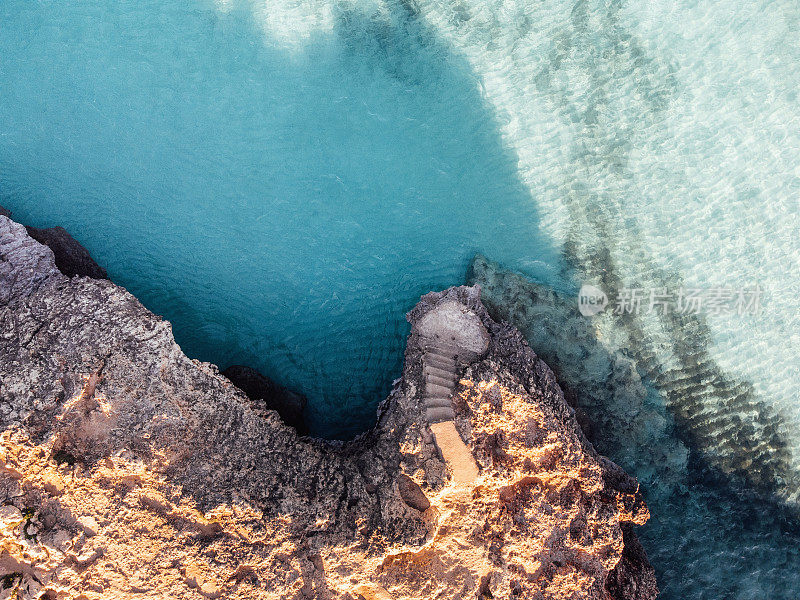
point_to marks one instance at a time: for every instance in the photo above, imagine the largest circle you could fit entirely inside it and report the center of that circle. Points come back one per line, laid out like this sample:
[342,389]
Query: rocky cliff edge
[128,470]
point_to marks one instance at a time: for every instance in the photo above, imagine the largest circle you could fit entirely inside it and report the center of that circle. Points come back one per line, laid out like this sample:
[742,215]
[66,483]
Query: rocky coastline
[128,470]
[73,259]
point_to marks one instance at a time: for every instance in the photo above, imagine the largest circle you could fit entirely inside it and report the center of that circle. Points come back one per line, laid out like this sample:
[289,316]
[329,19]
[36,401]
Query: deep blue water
[282,206]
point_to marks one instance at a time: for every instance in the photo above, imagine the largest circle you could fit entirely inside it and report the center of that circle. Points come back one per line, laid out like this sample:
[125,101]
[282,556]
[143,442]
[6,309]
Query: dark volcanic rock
[633,578]
[71,257]
[288,404]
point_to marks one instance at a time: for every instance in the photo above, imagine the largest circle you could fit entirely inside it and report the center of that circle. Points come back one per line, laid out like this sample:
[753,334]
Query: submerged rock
[288,404]
[105,421]
[656,399]
[72,259]
[615,407]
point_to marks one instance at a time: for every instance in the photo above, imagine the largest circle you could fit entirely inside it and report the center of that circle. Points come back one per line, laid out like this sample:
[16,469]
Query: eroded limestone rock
[129,470]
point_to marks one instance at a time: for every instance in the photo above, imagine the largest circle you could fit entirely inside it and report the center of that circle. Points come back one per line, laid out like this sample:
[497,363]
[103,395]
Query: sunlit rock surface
[129,470]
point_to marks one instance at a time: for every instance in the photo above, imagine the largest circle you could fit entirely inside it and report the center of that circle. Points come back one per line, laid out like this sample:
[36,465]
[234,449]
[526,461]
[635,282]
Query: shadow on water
[282,204]
[714,458]
[713,532]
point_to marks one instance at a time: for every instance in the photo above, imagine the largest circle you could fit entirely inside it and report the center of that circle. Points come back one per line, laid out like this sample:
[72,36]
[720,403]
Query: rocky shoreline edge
[72,259]
[129,470]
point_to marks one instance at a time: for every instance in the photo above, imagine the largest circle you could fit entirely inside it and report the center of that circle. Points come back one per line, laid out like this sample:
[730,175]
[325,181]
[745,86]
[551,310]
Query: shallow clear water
[282,180]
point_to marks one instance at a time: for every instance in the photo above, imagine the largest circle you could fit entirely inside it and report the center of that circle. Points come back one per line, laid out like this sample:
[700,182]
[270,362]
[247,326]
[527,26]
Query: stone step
[445,381]
[440,362]
[449,352]
[433,389]
[450,374]
[437,415]
[435,401]
[446,347]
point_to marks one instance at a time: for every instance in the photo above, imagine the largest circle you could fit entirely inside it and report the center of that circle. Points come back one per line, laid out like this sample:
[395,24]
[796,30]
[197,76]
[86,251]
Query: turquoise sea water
[282,180]
[282,200]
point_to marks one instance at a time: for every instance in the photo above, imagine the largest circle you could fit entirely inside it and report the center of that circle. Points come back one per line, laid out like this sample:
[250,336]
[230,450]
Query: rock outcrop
[260,388]
[71,258]
[128,470]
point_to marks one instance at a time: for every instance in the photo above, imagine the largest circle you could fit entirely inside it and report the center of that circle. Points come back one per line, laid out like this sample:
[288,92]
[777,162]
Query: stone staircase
[440,366]
[451,337]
